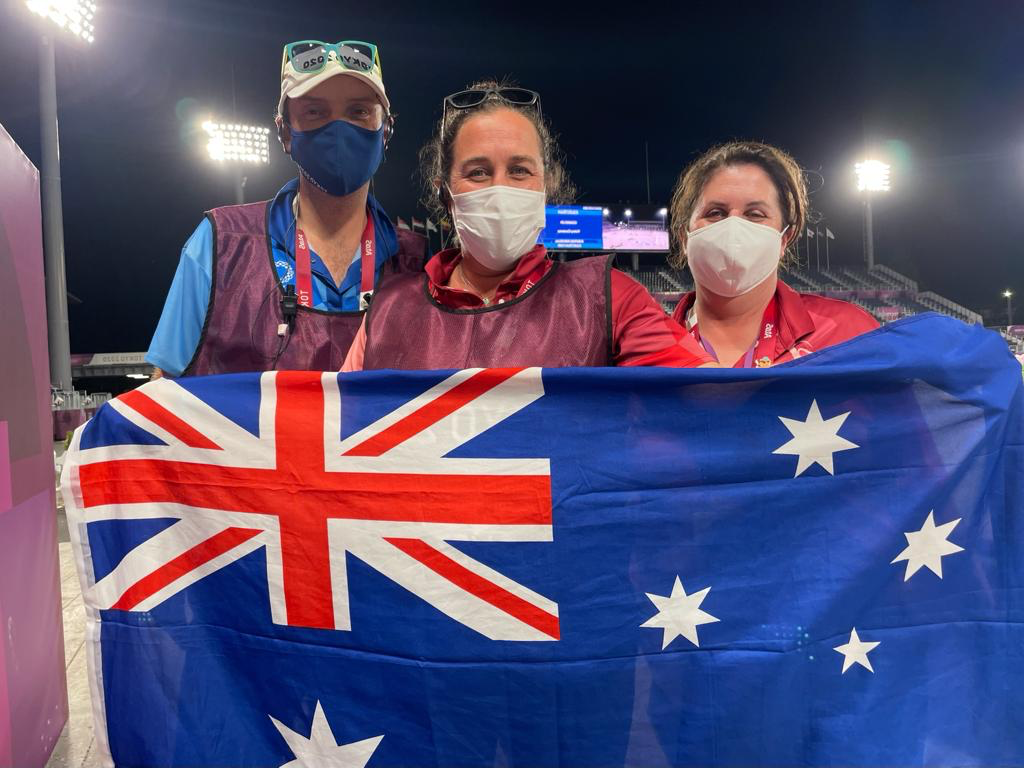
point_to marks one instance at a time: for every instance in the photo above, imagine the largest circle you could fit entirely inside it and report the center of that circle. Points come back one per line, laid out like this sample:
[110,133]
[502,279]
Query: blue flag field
[815,564]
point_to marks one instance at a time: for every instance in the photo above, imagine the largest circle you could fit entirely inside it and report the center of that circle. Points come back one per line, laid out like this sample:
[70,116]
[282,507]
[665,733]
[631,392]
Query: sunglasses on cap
[313,55]
[474,97]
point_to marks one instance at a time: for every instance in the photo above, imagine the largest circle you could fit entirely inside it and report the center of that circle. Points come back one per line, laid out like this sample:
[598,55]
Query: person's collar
[284,209]
[291,187]
[686,303]
[442,264]
[794,321]
[440,268]
[525,268]
[690,315]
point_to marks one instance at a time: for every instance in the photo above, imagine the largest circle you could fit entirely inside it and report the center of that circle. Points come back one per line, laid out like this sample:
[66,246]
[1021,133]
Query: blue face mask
[338,157]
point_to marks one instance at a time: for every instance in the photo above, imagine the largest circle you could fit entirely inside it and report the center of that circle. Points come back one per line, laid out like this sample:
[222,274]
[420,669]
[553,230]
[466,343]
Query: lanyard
[304,266]
[761,352]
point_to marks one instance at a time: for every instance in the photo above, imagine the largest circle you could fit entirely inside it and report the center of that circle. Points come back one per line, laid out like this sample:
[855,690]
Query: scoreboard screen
[573,228]
[599,228]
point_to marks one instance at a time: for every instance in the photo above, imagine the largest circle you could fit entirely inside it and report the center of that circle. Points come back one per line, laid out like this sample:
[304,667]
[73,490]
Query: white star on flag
[927,547]
[815,440]
[679,614]
[321,750]
[856,652]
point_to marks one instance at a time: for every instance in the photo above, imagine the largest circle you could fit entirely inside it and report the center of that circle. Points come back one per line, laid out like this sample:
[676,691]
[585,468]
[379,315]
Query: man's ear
[284,134]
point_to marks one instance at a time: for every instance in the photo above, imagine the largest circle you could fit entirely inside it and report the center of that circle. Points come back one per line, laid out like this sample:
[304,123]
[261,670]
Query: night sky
[935,88]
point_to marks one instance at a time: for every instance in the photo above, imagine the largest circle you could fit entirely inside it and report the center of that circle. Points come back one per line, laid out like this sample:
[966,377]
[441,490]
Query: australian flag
[814,564]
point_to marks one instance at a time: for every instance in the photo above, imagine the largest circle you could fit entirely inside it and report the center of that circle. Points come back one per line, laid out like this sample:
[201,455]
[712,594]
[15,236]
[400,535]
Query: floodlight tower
[1008,295]
[74,17]
[238,146]
[872,177]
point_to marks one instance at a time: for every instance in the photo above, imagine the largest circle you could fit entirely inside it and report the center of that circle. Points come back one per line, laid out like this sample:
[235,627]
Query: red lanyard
[304,266]
[762,352]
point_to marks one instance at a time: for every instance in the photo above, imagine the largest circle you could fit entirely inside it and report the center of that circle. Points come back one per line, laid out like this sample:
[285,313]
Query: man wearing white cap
[283,284]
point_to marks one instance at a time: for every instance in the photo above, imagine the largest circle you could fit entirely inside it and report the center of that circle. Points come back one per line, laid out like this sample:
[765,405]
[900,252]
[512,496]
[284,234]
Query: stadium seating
[881,291]
[660,280]
[1014,337]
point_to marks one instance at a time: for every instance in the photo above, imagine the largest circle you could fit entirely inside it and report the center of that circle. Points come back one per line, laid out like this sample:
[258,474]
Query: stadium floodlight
[605,212]
[75,16]
[234,143]
[872,176]
[1008,295]
[628,213]
[238,146]
[663,212]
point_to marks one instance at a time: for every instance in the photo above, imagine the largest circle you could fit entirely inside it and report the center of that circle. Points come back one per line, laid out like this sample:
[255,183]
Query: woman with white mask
[735,211]
[497,299]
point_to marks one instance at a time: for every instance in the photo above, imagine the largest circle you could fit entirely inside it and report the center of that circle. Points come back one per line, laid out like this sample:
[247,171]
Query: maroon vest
[242,319]
[564,320]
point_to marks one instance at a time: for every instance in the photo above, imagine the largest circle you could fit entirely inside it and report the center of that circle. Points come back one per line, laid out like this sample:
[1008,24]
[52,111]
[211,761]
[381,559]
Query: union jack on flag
[818,563]
[387,495]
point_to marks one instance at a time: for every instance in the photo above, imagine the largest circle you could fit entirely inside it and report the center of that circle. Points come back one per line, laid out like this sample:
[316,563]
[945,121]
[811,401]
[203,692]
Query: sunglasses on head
[474,97]
[313,55]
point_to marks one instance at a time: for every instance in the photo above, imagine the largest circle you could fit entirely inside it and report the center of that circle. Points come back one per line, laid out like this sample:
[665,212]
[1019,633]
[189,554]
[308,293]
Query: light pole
[872,176]
[74,16]
[628,213]
[1008,295]
[238,146]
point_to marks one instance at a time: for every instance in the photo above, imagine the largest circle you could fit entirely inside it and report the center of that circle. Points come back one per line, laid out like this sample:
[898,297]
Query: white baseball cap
[322,61]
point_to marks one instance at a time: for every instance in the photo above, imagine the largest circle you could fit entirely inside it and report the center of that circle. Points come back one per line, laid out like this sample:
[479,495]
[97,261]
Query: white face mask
[497,225]
[733,256]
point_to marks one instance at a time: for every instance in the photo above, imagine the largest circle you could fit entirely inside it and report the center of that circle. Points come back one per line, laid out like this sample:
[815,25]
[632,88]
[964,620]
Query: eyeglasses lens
[519,96]
[308,57]
[357,56]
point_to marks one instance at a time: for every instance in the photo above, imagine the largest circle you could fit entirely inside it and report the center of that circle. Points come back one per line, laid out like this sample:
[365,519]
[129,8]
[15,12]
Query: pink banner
[33,691]
[6,498]
[5,504]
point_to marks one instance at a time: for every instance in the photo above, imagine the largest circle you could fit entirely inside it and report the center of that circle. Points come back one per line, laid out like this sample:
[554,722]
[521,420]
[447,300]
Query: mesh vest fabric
[564,320]
[244,312]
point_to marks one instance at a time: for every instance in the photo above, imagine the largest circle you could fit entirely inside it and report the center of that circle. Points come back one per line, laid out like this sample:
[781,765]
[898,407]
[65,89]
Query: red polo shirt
[642,334]
[805,322]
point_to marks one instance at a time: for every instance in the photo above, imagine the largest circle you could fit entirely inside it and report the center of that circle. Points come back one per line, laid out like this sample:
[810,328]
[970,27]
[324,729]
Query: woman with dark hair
[735,211]
[496,299]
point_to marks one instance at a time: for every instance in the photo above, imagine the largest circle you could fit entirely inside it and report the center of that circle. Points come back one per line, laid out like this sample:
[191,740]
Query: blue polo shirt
[181,323]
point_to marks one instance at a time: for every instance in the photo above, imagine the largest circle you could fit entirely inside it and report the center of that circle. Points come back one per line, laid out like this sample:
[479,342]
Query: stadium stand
[881,291]
[1014,336]
[656,280]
